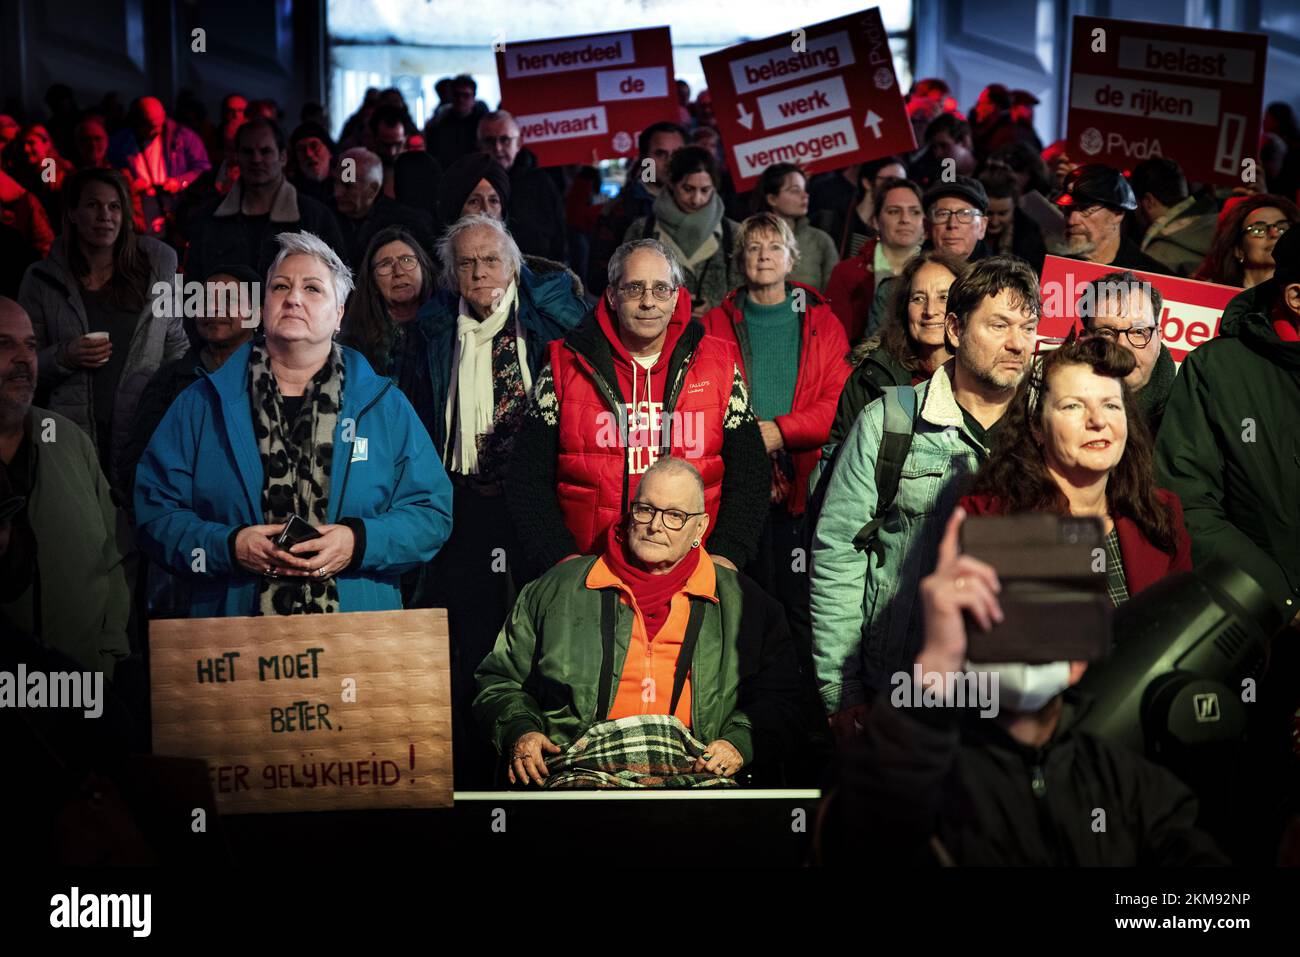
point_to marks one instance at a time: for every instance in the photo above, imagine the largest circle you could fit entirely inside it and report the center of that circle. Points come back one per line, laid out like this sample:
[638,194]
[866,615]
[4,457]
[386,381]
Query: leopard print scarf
[296,460]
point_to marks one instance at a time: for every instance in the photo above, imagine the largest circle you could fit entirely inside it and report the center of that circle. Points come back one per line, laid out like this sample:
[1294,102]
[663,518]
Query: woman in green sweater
[794,355]
[783,190]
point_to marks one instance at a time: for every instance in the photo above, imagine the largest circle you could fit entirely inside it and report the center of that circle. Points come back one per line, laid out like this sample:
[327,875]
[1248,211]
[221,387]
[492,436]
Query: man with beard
[68,526]
[879,527]
[1094,199]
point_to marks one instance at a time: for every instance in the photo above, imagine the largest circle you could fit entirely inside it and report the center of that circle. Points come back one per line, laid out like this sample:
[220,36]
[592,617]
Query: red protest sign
[823,97]
[1139,90]
[585,98]
[1189,315]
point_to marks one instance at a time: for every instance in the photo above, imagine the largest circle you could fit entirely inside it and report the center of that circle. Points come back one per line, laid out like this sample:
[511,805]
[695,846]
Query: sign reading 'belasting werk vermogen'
[583,99]
[1190,313]
[308,712]
[1139,90]
[823,97]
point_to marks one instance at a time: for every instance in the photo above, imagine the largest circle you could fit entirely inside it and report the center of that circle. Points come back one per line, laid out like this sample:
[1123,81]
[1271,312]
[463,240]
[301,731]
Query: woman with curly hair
[911,343]
[1241,253]
[1074,443]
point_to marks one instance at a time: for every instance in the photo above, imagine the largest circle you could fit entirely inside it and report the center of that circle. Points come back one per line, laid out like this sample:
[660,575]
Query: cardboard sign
[1139,90]
[308,712]
[586,98]
[824,97]
[1190,314]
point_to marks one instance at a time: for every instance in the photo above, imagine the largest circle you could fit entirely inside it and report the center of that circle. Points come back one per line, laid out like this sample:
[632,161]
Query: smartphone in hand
[296,530]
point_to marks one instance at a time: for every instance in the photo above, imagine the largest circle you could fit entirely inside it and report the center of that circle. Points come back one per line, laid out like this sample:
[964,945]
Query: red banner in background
[824,97]
[1189,316]
[1139,90]
[583,99]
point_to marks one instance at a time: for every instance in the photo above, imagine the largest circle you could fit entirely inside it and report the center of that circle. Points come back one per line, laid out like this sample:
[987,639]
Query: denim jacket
[865,616]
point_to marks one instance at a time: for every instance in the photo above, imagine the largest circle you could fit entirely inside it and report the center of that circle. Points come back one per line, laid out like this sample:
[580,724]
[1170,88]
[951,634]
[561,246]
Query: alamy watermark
[180,299]
[947,689]
[53,689]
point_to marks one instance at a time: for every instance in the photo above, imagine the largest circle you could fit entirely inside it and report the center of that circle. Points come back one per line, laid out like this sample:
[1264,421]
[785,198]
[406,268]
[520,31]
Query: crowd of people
[686,468]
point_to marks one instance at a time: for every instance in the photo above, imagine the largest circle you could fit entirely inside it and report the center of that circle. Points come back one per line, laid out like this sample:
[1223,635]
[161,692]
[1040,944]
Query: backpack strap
[648,230]
[687,652]
[900,423]
[608,614]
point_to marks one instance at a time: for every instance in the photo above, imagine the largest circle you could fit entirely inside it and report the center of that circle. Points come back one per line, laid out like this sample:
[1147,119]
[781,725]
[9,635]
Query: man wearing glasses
[1121,307]
[536,218]
[636,381]
[956,218]
[1093,201]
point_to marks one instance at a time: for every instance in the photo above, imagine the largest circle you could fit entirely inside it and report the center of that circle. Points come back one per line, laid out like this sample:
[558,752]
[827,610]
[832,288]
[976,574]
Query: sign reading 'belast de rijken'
[309,712]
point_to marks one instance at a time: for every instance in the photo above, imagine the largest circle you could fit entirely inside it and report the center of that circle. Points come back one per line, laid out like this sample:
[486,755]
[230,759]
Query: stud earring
[695,544]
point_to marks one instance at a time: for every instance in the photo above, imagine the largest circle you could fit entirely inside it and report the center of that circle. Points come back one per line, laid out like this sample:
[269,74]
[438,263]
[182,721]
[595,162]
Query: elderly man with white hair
[363,210]
[293,479]
[487,331]
[536,202]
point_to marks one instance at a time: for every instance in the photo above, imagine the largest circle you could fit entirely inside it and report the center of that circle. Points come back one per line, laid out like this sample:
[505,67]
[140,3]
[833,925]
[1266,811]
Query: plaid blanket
[641,751]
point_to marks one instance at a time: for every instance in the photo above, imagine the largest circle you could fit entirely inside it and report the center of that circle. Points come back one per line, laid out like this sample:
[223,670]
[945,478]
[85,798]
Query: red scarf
[653,593]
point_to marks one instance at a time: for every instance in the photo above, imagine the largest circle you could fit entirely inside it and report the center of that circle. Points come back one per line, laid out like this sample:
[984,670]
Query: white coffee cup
[98,337]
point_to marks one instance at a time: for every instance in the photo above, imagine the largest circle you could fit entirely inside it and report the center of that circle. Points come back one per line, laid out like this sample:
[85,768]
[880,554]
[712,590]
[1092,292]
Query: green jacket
[874,369]
[79,602]
[1183,236]
[545,673]
[1229,446]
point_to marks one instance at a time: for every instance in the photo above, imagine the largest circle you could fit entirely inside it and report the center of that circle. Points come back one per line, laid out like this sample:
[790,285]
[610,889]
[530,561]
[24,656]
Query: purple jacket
[183,152]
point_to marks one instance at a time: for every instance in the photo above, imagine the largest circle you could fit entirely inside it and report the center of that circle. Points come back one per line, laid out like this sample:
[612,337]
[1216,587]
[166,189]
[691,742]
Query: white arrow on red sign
[747,118]
[873,122]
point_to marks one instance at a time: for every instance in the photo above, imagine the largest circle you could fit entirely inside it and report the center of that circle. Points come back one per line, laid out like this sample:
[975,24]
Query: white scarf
[471,387]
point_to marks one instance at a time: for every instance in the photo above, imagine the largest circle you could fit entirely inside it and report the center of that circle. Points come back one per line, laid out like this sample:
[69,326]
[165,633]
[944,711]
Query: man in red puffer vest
[637,379]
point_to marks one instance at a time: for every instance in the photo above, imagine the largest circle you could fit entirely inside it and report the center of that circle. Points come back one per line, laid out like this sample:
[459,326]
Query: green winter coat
[545,673]
[1229,446]
[874,370]
[1182,241]
[80,587]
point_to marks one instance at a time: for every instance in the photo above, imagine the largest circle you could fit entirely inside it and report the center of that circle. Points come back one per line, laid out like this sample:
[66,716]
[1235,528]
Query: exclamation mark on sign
[412,762]
[1232,132]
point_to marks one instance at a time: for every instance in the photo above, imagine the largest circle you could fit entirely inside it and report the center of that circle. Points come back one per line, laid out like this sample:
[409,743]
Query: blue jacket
[549,306]
[201,478]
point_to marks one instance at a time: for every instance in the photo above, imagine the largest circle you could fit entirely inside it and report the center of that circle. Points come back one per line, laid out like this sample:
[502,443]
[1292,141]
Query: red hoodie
[596,471]
[643,389]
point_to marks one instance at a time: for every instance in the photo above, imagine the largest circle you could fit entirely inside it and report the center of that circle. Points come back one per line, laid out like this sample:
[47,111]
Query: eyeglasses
[963,216]
[497,140]
[674,518]
[1259,230]
[1137,336]
[385,267]
[632,291]
[1085,211]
